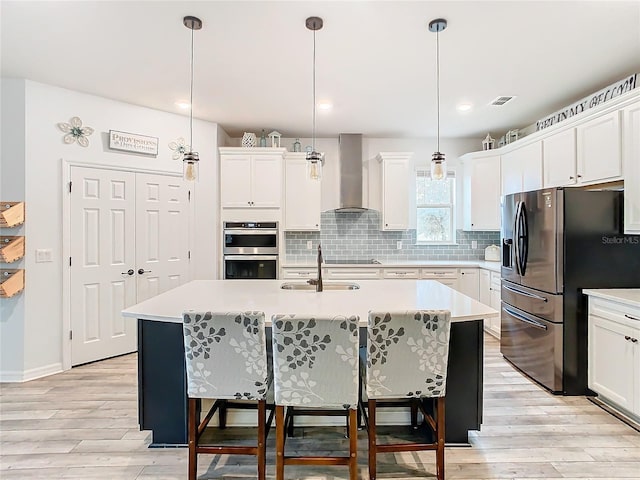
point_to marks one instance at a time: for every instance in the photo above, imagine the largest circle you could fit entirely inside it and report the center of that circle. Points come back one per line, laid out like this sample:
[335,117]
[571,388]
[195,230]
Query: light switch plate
[44,255]
[309,244]
[399,245]
[474,244]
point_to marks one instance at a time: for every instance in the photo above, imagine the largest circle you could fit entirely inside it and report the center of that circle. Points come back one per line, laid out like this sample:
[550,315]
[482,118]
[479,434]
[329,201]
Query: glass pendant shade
[314,165]
[438,166]
[191,163]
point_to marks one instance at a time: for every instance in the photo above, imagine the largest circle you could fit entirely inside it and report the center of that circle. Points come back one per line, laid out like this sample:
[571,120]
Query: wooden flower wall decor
[75,132]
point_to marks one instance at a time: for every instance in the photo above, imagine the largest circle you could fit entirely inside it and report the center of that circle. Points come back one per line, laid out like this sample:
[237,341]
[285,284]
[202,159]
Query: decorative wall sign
[75,132]
[132,142]
[179,148]
[601,96]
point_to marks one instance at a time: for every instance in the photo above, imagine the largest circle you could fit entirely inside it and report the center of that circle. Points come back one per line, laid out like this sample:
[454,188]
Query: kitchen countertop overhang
[487,265]
[628,296]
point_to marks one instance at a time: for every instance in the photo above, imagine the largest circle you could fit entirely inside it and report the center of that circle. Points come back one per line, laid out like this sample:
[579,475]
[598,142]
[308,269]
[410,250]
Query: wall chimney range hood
[350,173]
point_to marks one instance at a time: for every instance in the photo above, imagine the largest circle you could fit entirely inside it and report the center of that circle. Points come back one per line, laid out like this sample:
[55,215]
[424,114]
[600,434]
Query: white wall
[12,97]
[44,160]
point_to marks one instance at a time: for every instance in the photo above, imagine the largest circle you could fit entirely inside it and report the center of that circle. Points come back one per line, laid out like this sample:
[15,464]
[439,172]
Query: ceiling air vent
[501,101]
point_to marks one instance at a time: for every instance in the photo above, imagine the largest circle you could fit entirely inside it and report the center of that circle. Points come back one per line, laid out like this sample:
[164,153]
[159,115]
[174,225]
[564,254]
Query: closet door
[162,246]
[102,246]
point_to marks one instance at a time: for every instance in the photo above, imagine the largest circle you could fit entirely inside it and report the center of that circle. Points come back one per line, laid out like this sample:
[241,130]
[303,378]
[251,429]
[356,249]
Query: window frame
[451,175]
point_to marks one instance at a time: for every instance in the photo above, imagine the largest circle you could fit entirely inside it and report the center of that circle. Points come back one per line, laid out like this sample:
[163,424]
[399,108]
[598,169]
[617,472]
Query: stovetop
[368,261]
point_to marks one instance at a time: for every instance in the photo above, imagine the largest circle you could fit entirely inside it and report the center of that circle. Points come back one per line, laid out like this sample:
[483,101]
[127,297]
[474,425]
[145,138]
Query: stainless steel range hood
[350,173]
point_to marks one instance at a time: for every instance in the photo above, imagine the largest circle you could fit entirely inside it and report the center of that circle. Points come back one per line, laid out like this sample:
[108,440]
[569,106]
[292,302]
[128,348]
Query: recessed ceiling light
[464,107]
[325,105]
[183,105]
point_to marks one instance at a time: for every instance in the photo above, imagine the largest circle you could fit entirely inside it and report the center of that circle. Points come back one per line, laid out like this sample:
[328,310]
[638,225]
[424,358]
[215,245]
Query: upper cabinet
[521,169]
[559,155]
[631,156]
[302,196]
[598,149]
[251,177]
[396,174]
[481,191]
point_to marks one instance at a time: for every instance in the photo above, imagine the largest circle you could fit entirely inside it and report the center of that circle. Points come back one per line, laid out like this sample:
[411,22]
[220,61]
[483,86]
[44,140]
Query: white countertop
[493,266]
[267,296]
[628,296]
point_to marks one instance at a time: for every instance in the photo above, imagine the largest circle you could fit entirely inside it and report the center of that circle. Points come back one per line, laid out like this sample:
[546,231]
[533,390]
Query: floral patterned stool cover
[315,362]
[226,360]
[407,356]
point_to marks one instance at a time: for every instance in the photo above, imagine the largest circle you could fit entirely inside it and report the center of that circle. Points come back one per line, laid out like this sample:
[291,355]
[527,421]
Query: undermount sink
[325,286]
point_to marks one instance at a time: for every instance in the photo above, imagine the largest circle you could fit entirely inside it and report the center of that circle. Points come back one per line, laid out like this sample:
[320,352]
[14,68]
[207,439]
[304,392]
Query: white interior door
[102,222]
[162,245]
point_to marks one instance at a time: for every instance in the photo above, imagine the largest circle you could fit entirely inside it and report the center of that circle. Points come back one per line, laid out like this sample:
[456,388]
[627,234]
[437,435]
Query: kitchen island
[162,399]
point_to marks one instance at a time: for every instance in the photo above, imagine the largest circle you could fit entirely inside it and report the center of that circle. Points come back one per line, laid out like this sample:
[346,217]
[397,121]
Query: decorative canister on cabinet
[249,139]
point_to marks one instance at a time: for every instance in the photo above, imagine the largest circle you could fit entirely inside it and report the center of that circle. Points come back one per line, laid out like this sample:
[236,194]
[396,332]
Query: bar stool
[315,363]
[226,360]
[407,355]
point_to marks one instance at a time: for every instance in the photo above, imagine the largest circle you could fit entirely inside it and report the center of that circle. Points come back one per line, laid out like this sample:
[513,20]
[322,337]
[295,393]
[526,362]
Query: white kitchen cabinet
[521,169]
[399,273]
[631,157]
[395,173]
[559,158]
[614,354]
[598,149]
[251,178]
[495,293]
[302,195]
[446,276]
[469,282]
[484,293]
[481,191]
[300,273]
[352,273]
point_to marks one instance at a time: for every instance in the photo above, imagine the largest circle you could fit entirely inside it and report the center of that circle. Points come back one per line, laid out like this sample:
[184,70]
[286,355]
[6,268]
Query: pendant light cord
[438,85]
[313,140]
[191,98]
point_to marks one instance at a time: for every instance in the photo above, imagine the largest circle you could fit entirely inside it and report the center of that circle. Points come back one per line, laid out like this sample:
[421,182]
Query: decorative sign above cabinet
[612,91]
[132,142]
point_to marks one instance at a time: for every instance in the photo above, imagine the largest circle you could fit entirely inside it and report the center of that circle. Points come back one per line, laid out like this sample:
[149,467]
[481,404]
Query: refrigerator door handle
[533,323]
[526,294]
[523,234]
[516,238]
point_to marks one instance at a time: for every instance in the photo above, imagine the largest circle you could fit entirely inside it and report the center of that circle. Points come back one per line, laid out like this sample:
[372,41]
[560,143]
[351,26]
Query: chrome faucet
[318,281]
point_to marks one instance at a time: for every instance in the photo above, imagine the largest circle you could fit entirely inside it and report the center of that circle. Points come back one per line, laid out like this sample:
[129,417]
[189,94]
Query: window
[435,202]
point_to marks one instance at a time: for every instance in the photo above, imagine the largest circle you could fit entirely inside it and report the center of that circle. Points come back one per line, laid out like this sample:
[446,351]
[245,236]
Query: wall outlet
[474,244]
[399,245]
[44,255]
[309,245]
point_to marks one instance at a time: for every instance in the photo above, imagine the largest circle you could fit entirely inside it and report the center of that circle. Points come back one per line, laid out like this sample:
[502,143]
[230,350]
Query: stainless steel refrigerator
[556,242]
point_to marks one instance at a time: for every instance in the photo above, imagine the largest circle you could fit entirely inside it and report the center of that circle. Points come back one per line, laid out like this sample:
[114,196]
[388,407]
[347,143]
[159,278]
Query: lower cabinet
[446,276]
[413,273]
[490,295]
[614,354]
[468,282]
[304,273]
[350,273]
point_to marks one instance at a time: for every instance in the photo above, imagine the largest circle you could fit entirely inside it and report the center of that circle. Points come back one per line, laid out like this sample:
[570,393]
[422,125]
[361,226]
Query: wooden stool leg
[372,439]
[290,417]
[262,450]
[353,445]
[414,414]
[440,433]
[279,442]
[192,432]
[222,414]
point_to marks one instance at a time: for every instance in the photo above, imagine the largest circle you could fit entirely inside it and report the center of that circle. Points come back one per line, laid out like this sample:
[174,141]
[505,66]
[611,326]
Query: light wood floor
[82,424]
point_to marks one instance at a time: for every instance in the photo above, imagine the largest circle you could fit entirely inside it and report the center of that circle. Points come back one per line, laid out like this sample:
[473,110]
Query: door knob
[142,270]
[128,272]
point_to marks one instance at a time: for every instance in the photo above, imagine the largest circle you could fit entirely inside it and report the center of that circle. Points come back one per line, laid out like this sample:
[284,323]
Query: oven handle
[251,231]
[526,294]
[533,323]
[251,257]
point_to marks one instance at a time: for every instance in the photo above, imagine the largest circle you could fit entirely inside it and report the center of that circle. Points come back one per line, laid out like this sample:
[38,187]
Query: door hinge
[189,254]
[70,334]
[70,183]
[69,261]
[189,195]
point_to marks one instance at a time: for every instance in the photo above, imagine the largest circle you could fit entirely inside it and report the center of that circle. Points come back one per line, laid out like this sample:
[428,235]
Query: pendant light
[314,159]
[438,161]
[191,159]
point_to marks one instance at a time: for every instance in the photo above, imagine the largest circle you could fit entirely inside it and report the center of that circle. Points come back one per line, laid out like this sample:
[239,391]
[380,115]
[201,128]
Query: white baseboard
[18,376]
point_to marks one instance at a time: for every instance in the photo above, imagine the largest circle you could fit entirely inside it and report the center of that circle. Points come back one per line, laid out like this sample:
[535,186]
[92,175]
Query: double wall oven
[250,250]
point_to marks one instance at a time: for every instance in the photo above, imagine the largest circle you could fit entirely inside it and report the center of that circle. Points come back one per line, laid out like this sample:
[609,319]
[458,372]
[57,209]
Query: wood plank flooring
[82,424]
